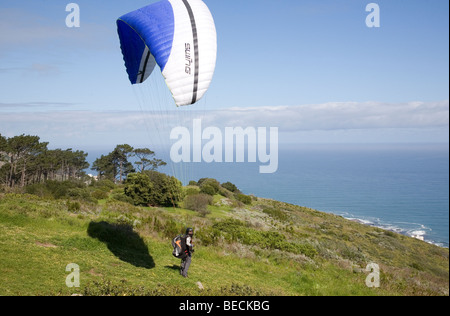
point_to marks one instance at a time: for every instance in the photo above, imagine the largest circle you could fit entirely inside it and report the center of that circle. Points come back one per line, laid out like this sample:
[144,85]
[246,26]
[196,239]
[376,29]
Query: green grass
[125,250]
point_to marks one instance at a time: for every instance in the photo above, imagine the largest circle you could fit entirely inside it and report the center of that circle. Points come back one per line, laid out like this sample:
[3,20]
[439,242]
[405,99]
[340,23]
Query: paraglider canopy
[177,35]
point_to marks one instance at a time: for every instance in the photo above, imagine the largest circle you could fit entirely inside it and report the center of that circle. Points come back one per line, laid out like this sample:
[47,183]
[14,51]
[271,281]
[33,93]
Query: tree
[51,163]
[146,159]
[3,144]
[25,160]
[167,190]
[3,159]
[105,167]
[3,150]
[115,164]
[120,157]
[153,188]
[138,187]
[77,163]
[21,149]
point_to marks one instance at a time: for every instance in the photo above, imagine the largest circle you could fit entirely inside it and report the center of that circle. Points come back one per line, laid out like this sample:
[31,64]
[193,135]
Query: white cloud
[338,115]
[104,127]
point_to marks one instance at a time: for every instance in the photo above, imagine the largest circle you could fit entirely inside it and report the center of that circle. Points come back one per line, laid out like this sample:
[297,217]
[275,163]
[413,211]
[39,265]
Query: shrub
[99,195]
[171,229]
[208,236]
[276,214]
[73,207]
[235,230]
[213,183]
[39,189]
[207,189]
[198,203]
[138,187]
[104,183]
[230,187]
[60,190]
[105,287]
[244,198]
[153,188]
[122,198]
[306,250]
[167,190]
[224,192]
[79,194]
[192,191]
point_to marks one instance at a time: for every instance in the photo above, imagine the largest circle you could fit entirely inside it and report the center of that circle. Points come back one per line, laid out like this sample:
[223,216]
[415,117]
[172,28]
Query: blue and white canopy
[179,36]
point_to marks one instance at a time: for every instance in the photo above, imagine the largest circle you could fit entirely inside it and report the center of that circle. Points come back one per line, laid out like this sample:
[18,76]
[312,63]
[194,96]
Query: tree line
[27,163]
[26,160]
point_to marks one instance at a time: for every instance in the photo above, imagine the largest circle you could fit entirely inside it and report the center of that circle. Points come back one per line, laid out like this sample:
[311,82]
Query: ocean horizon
[398,187]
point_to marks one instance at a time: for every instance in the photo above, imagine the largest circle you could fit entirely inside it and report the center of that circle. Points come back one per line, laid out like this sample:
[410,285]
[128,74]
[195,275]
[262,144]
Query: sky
[312,68]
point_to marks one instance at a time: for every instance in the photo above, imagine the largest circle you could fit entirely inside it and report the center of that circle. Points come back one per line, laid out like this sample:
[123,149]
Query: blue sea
[399,187]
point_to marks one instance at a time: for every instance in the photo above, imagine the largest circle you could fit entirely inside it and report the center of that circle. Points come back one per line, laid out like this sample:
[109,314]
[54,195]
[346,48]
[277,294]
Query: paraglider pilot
[186,260]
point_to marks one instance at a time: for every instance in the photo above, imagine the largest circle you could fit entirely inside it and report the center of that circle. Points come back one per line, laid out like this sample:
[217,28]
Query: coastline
[419,234]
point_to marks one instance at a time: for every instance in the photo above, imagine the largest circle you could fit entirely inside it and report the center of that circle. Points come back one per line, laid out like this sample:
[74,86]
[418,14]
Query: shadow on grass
[173,267]
[123,242]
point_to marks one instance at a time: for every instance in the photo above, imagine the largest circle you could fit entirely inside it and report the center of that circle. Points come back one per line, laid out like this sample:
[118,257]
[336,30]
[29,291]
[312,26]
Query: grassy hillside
[264,248]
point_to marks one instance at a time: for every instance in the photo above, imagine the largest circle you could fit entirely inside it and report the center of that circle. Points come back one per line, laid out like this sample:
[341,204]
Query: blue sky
[312,68]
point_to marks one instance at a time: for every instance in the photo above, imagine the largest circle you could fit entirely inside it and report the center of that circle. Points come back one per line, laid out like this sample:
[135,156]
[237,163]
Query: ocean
[399,187]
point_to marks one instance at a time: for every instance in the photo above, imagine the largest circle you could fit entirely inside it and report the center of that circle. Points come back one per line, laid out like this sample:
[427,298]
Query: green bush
[105,287]
[276,214]
[153,188]
[73,207]
[192,191]
[208,236]
[307,250]
[60,190]
[171,229]
[79,194]
[207,189]
[99,195]
[138,187]
[38,189]
[244,198]
[122,198]
[213,183]
[230,187]
[104,183]
[224,192]
[235,230]
[198,203]
[167,190]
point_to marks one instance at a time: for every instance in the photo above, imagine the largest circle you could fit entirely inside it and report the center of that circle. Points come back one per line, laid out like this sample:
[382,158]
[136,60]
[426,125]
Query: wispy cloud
[44,69]
[326,116]
[68,122]
[12,107]
[340,115]
[39,69]
[104,127]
